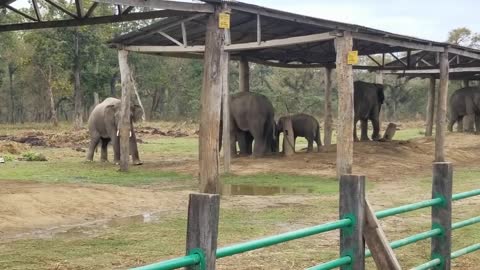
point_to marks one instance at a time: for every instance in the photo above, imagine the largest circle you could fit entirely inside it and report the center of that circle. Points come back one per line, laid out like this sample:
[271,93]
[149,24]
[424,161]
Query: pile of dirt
[74,139]
[13,148]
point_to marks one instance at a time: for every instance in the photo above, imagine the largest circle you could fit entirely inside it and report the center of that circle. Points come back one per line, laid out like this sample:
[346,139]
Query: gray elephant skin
[463,102]
[304,125]
[368,100]
[252,119]
[103,125]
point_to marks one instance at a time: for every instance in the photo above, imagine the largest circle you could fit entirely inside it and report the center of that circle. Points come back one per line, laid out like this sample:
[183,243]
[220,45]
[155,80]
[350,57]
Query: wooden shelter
[220,31]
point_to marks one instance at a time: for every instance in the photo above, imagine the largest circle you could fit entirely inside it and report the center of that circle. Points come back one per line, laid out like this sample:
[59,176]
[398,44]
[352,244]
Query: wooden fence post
[442,214]
[430,108]
[352,205]
[328,107]
[202,227]
[124,125]
[288,137]
[224,63]
[343,45]
[441,125]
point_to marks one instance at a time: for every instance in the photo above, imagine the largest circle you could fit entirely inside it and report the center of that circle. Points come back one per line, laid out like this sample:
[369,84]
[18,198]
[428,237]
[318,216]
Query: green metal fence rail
[175,263]
[333,264]
[281,238]
[196,258]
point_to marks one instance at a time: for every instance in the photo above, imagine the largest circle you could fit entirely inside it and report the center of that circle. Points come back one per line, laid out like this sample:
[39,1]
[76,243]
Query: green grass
[409,133]
[85,172]
[186,146]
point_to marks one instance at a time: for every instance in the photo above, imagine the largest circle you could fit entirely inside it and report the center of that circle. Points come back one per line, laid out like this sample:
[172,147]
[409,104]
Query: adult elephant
[304,125]
[103,125]
[368,100]
[463,102]
[252,119]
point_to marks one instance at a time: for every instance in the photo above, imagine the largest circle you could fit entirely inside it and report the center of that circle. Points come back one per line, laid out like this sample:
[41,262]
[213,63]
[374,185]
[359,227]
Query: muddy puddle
[253,190]
[88,229]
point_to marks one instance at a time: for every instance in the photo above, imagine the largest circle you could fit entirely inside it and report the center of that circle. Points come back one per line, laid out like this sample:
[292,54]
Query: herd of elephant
[252,119]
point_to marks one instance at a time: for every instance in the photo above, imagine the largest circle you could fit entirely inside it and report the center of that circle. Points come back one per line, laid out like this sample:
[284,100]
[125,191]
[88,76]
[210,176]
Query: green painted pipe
[408,208]
[465,195]
[428,265]
[281,238]
[332,264]
[410,240]
[465,223]
[180,262]
[465,251]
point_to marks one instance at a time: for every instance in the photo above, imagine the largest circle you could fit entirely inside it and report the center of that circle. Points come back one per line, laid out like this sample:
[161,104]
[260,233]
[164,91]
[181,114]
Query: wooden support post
[466,83]
[442,214]
[244,75]
[211,98]
[202,227]
[288,137]
[377,242]
[124,125]
[440,128]
[379,80]
[328,107]
[344,72]
[352,205]
[430,108]
[224,60]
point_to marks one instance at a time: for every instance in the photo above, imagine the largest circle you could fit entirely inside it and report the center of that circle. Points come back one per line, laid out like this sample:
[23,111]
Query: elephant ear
[110,113]
[137,113]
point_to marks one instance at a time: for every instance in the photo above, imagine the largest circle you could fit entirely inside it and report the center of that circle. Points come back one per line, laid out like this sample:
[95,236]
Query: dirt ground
[26,206]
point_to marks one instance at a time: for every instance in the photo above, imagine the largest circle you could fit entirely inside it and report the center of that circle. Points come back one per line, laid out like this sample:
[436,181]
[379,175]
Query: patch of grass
[186,146]
[409,133]
[313,184]
[32,156]
[85,172]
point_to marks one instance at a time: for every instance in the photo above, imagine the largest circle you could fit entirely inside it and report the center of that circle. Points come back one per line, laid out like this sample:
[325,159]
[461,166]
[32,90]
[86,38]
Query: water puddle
[231,189]
[87,229]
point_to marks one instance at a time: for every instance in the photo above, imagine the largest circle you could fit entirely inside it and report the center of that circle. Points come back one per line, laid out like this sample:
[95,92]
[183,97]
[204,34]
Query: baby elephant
[304,125]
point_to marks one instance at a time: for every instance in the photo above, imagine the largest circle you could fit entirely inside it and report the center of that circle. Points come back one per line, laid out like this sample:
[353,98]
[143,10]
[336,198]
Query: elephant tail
[380,95]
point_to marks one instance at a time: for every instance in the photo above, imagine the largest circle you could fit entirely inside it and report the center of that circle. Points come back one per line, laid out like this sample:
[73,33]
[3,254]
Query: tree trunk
[124,126]
[139,101]
[78,94]
[11,71]
[53,111]
[113,82]
[328,107]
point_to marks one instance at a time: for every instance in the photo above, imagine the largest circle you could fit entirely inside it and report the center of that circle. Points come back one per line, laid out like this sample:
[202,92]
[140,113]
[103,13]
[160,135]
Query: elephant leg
[91,148]
[134,149]
[355,137]
[249,143]
[259,148]
[310,144]
[104,155]
[451,122]
[477,123]
[460,124]
[376,129]
[242,142]
[116,149]
[364,128]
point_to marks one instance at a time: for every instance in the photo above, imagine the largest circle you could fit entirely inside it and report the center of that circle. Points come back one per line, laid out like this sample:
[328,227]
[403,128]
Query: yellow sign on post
[352,58]
[224,20]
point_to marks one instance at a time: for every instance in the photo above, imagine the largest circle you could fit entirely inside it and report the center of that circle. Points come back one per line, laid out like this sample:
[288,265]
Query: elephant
[463,102]
[252,119]
[103,125]
[368,100]
[303,125]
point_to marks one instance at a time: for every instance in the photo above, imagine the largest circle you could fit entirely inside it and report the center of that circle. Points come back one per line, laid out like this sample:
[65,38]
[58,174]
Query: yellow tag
[352,58]
[224,20]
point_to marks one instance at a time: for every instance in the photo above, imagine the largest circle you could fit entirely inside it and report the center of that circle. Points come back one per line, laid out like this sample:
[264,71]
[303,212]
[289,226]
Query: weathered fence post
[327,126]
[352,205]
[202,227]
[441,125]
[288,137]
[442,214]
[224,61]
[244,75]
[124,126]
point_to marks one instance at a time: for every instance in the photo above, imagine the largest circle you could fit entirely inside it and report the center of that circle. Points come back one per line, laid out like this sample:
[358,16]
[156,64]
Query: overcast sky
[429,19]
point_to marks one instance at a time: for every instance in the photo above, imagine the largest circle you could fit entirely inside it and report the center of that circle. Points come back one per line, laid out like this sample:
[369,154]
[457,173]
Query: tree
[464,37]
